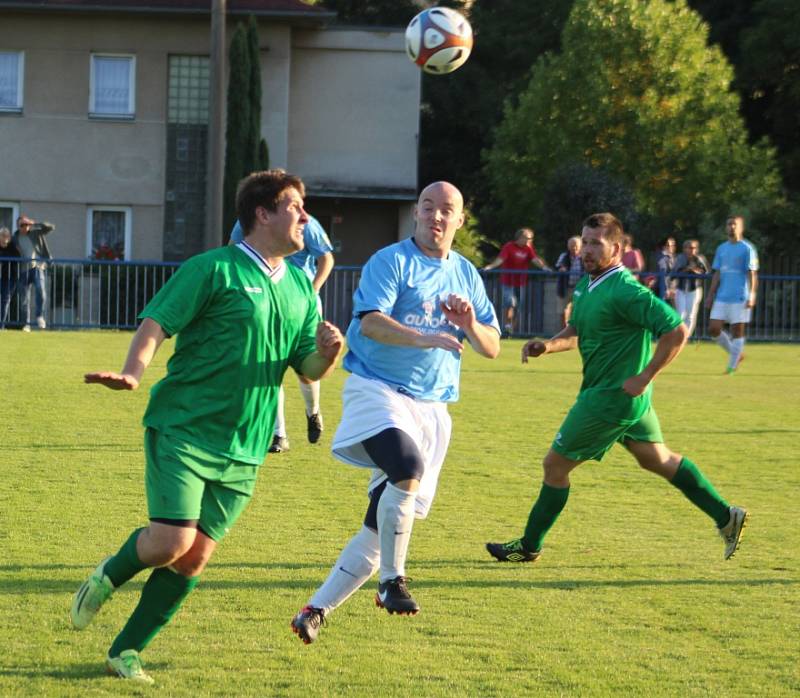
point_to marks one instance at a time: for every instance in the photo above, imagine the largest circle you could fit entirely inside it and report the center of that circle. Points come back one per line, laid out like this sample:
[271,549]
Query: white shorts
[370,407]
[732,313]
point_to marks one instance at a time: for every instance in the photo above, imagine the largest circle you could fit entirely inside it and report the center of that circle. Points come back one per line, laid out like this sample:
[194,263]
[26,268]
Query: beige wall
[354,112]
[339,117]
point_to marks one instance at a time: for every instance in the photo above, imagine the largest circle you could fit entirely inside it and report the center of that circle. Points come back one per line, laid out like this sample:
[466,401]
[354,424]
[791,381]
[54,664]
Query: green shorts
[584,436]
[185,482]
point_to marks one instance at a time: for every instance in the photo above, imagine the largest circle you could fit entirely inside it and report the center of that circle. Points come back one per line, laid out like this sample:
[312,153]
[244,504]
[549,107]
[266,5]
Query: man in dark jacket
[31,241]
[9,272]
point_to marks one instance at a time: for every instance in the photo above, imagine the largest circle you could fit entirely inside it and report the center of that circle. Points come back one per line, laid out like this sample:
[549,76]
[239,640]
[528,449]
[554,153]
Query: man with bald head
[416,303]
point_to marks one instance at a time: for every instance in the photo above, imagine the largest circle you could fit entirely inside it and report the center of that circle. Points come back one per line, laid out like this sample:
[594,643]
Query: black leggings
[394,452]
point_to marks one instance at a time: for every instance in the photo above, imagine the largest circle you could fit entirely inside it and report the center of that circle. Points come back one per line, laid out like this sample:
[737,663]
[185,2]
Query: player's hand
[750,302]
[329,340]
[635,385]
[458,311]
[440,340]
[534,348]
[115,381]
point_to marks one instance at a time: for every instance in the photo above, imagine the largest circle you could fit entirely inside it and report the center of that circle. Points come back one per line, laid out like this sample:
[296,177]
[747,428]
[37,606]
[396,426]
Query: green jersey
[238,328]
[616,319]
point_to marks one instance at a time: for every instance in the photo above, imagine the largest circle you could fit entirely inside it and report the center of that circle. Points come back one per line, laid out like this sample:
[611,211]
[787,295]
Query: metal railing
[84,294]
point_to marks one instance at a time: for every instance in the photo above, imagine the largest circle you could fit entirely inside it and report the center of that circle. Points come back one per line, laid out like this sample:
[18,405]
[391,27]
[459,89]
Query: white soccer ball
[439,40]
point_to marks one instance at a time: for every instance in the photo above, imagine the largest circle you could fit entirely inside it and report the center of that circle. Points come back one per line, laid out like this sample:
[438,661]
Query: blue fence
[83,294]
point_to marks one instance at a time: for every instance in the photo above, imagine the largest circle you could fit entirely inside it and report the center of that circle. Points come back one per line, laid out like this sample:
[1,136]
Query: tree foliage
[461,110]
[238,124]
[573,192]
[387,13]
[635,91]
[244,151]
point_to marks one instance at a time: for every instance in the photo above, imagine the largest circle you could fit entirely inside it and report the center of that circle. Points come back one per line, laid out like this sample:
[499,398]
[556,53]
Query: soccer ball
[439,40]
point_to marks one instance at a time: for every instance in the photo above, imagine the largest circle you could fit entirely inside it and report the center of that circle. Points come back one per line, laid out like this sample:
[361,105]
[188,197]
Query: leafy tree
[252,135]
[461,110]
[237,131]
[636,91]
[385,13]
[575,191]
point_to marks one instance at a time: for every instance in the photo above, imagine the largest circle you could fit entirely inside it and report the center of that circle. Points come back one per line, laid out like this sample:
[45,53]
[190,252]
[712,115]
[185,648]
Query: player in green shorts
[242,317]
[613,321]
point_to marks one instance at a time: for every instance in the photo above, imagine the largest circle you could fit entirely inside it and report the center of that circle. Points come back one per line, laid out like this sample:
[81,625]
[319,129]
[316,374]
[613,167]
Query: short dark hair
[609,223]
[263,189]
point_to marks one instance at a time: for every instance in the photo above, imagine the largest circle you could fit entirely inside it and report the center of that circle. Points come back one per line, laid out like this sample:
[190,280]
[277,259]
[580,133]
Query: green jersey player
[614,319]
[242,317]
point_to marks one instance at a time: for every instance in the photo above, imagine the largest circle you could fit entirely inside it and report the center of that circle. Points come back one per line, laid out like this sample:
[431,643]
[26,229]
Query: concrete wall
[354,110]
[340,108]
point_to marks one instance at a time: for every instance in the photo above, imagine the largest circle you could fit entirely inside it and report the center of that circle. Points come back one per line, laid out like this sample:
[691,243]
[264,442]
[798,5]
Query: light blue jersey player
[733,291]
[416,303]
[316,260]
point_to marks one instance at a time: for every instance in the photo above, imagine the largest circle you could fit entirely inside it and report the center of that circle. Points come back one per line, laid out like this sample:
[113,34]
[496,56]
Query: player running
[613,321]
[416,303]
[241,316]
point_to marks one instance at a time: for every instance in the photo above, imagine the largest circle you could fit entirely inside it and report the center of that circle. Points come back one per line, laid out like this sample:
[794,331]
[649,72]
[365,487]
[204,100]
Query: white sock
[724,341]
[737,346]
[280,417]
[395,521]
[356,564]
[310,392]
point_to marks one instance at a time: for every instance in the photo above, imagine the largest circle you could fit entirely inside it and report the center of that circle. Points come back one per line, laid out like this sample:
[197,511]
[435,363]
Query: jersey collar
[594,283]
[275,274]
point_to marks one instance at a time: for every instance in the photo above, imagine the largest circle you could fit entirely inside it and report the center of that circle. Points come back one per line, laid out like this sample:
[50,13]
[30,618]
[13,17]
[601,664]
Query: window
[11,66]
[9,212]
[112,93]
[108,232]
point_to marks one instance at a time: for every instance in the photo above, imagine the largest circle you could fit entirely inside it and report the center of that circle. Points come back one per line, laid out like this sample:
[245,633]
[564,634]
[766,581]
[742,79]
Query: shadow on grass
[85,670]
[86,447]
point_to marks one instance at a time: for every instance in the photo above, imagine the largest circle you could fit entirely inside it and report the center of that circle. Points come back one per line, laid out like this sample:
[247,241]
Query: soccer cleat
[128,666]
[513,551]
[732,369]
[731,532]
[394,597]
[280,444]
[307,622]
[26,328]
[91,596]
[40,323]
[314,427]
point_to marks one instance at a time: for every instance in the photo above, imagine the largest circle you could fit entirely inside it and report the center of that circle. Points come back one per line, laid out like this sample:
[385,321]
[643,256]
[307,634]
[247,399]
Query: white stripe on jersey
[275,274]
[608,272]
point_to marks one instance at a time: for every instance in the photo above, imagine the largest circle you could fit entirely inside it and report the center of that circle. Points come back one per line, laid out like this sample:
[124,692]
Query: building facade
[104,122]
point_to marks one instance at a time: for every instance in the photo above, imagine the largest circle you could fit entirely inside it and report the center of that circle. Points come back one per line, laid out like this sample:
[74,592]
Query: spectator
[9,273]
[665,260]
[632,257]
[569,261]
[31,241]
[688,290]
[514,258]
[732,295]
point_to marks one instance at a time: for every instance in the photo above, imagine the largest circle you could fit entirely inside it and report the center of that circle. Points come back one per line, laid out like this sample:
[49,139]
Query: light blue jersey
[734,260]
[407,285]
[316,244]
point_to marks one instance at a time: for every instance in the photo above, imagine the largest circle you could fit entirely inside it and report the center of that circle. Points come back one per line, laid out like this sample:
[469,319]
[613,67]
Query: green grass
[631,597]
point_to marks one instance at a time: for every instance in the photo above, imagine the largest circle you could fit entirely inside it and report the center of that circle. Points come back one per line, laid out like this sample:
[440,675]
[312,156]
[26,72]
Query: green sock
[126,563]
[543,515]
[162,596]
[700,492]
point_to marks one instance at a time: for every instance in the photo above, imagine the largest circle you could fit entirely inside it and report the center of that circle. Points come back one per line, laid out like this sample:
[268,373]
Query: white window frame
[17,108]
[14,206]
[131,113]
[127,210]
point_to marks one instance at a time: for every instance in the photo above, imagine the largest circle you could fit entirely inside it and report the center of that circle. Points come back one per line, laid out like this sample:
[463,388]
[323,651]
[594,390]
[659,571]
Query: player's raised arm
[460,312]
[329,347]
[143,348]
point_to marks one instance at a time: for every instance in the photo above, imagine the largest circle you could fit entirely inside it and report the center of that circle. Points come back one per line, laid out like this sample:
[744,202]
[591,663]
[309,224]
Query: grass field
[630,598]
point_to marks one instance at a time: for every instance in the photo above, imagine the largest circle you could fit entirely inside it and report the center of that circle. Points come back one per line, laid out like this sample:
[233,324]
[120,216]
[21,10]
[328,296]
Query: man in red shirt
[515,257]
